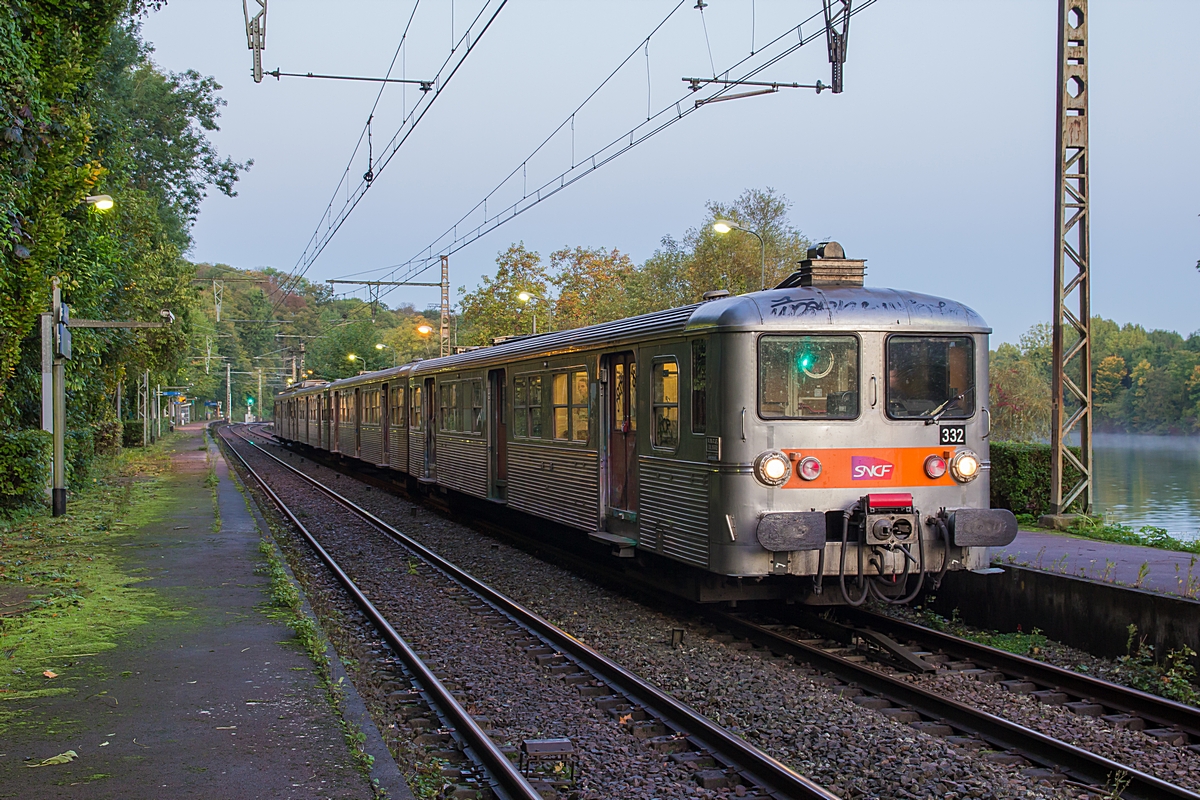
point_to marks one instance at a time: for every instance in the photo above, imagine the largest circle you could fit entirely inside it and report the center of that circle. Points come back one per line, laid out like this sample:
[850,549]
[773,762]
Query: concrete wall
[1090,615]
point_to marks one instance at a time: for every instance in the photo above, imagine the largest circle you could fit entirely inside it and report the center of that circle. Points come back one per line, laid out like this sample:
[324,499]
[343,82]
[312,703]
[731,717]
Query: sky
[936,164]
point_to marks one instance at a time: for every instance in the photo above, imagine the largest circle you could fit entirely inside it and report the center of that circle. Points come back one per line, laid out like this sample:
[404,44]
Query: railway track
[1013,743]
[1119,705]
[719,758]
[938,715]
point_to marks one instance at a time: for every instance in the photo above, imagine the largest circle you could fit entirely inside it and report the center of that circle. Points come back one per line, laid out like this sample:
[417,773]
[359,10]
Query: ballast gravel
[777,706]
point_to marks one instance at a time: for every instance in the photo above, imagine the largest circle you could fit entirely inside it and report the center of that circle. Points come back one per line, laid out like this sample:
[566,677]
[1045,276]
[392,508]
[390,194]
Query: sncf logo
[867,468]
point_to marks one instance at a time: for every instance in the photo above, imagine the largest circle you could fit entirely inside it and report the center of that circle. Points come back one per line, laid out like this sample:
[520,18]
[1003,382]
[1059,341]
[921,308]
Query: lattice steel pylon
[1071,381]
[445,327]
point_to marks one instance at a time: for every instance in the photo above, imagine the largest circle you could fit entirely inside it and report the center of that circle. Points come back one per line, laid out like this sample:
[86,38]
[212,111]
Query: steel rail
[747,760]
[507,781]
[1037,747]
[1149,707]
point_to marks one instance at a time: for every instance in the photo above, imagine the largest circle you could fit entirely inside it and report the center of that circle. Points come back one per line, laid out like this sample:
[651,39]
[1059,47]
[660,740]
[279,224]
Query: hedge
[1021,477]
[131,435]
[24,467]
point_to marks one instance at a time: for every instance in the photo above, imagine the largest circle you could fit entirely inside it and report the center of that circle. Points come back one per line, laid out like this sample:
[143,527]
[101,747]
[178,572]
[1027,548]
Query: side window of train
[473,405]
[527,406]
[415,419]
[396,411]
[370,409]
[569,399]
[664,399]
[699,385]
[448,412]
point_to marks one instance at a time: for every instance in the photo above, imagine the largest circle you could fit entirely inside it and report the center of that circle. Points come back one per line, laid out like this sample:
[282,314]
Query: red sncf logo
[868,468]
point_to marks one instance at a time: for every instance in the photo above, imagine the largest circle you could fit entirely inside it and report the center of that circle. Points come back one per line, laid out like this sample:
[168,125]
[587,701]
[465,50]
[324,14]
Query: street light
[381,346]
[727,225]
[102,202]
[424,330]
[525,297]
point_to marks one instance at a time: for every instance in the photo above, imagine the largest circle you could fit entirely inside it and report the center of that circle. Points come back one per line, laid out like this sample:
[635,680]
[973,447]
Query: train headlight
[964,466]
[935,467]
[772,468]
[810,469]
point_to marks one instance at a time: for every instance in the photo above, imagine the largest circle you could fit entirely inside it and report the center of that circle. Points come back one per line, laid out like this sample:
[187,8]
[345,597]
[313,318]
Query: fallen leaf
[104,744]
[61,758]
[50,674]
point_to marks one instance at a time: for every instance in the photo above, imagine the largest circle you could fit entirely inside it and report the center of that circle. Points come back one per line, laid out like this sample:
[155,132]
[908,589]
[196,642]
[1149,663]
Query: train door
[326,420]
[621,457]
[497,436]
[338,402]
[385,424]
[430,431]
[357,412]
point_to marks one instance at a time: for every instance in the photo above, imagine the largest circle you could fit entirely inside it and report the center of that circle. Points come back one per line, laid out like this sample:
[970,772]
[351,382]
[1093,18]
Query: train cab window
[699,385]
[808,377]
[527,406]
[396,409]
[371,409]
[664,391]
[930,376]
[416,414]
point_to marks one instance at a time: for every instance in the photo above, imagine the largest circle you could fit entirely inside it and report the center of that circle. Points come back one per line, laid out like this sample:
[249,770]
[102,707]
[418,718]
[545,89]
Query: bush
[131,435]
[24,467]
[1021,477]
[108,436]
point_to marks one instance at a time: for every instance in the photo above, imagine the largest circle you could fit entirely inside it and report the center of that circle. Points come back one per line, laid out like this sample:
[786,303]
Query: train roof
[807,309]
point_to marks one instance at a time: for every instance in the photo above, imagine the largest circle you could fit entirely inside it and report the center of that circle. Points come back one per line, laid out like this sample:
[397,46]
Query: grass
[1172,676]
[68,599]
[1018,642]
[286,603]
[1145,536]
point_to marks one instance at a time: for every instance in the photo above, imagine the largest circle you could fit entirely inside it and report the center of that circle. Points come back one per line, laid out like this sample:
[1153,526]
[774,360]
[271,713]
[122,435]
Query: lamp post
[60,353]
[382,346]
[424,330]
[525,297]
[727,225]
[352,358]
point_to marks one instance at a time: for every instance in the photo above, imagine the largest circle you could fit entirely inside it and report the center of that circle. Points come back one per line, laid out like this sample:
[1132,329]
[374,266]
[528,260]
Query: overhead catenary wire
[451,241]
[331,222]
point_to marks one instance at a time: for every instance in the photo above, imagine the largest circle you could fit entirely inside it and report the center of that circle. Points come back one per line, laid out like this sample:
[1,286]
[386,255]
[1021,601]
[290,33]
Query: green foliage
[595,285]
[24,467]
[131,433]
[1018,642]
[84,111]
[1020,477]
[1142,382]
[1172,677]
[1146,536]
[1020,388]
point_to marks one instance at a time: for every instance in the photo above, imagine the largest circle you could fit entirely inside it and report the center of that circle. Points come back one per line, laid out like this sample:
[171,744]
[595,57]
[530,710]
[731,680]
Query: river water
[1149,480]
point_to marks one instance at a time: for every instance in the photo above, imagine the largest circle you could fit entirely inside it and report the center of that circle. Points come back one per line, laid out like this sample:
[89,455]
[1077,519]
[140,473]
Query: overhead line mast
[1071,379]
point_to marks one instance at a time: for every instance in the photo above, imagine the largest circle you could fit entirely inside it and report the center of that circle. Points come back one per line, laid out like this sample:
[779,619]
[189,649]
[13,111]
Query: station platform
[209,700]
[1147,568]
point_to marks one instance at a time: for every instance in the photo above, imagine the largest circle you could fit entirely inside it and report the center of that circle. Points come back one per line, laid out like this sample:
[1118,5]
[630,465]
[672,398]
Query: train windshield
[930,376]
[808,377]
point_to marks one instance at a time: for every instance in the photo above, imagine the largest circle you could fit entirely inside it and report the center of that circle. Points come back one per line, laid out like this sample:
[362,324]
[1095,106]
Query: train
[822,441]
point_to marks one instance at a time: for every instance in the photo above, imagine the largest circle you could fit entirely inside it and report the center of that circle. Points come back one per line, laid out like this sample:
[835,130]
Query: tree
[493,309]
[733,260]
[591,286]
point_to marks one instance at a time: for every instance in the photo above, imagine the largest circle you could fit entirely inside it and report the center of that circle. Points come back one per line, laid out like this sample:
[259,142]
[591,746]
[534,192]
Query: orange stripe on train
[865,467]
